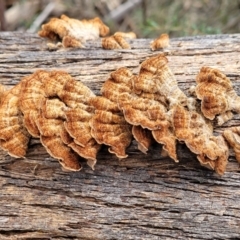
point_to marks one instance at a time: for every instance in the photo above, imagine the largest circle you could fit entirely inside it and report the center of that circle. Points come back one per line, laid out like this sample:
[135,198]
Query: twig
[41,17]
[119,12]
[144,11]
[3,26]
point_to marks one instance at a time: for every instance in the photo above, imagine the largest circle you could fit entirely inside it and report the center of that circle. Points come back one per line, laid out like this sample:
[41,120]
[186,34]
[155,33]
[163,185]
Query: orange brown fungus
[161,42]
[232,136]
[72,122]
[2,90]
[156,91]
[197,132]
[53,108]
[156,77]
[14,137]
[73,32]
[31,98]
[52,124]
[51,101]
[39,117]
[77,97]
[77,125]
[51,120]
[143,137]
[218,98]
[151,115]
[108,124]
[170,95]
[69,41]
[55,139]
[118,40]
[77,113]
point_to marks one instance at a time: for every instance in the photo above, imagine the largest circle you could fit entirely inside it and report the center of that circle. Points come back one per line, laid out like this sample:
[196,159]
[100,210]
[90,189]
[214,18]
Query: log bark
[141,197]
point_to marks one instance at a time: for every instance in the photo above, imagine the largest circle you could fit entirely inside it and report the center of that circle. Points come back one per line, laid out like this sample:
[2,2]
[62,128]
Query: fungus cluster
[69,32]
[73,32]
[72,122]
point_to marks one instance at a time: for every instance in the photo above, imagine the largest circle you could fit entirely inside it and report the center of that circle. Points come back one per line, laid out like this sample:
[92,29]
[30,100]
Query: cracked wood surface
[141,197]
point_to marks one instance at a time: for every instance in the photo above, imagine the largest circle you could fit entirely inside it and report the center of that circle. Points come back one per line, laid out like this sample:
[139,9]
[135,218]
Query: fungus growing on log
[161,42]
[55,139]
[232,136]
[76,96]
[218,98]
[155,93]
[72,122]
[156,77]
[31,97]
[143,137]
[73,32]
[108,124]
[51,101]
[197,132]
[14,137]
[118,40]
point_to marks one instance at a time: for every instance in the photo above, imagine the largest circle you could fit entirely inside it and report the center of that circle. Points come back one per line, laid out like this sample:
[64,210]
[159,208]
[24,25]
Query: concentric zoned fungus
[144,138]
[156,77]
[77,125]
[108,124]
[217,95]
[73,32]
[197,132]
[31,97]
[156,92]
[55,139]
[149,114]
[53,108]
[2,90]
[118,40]
[76,96]
[72,122]
[161,42]
[56,121]
[51,101]
[14,137]
[232,136]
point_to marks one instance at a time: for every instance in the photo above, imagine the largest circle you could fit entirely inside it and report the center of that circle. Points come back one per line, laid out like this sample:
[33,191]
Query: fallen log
[141,197]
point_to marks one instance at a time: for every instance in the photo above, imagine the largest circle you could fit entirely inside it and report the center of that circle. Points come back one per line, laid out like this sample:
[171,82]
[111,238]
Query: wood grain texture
[141,197]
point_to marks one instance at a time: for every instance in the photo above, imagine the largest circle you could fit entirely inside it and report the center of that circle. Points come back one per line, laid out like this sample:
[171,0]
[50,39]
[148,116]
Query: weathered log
[141,197]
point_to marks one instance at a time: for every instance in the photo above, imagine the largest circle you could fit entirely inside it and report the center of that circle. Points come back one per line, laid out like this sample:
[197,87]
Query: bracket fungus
[118,40]
[143,137]
[72,122]
[2,90]
[108,124]
[73,32]
[78,126]
[55,139]
[149,114]
[155,93]
[50,103]
[197,132]
[14,137]
[156,77]
[31,97]
[76,96]
[161,42]
[232,136]
[218,98]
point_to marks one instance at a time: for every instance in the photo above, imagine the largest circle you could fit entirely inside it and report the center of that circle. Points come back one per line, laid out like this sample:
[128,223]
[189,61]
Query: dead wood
[141,197]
